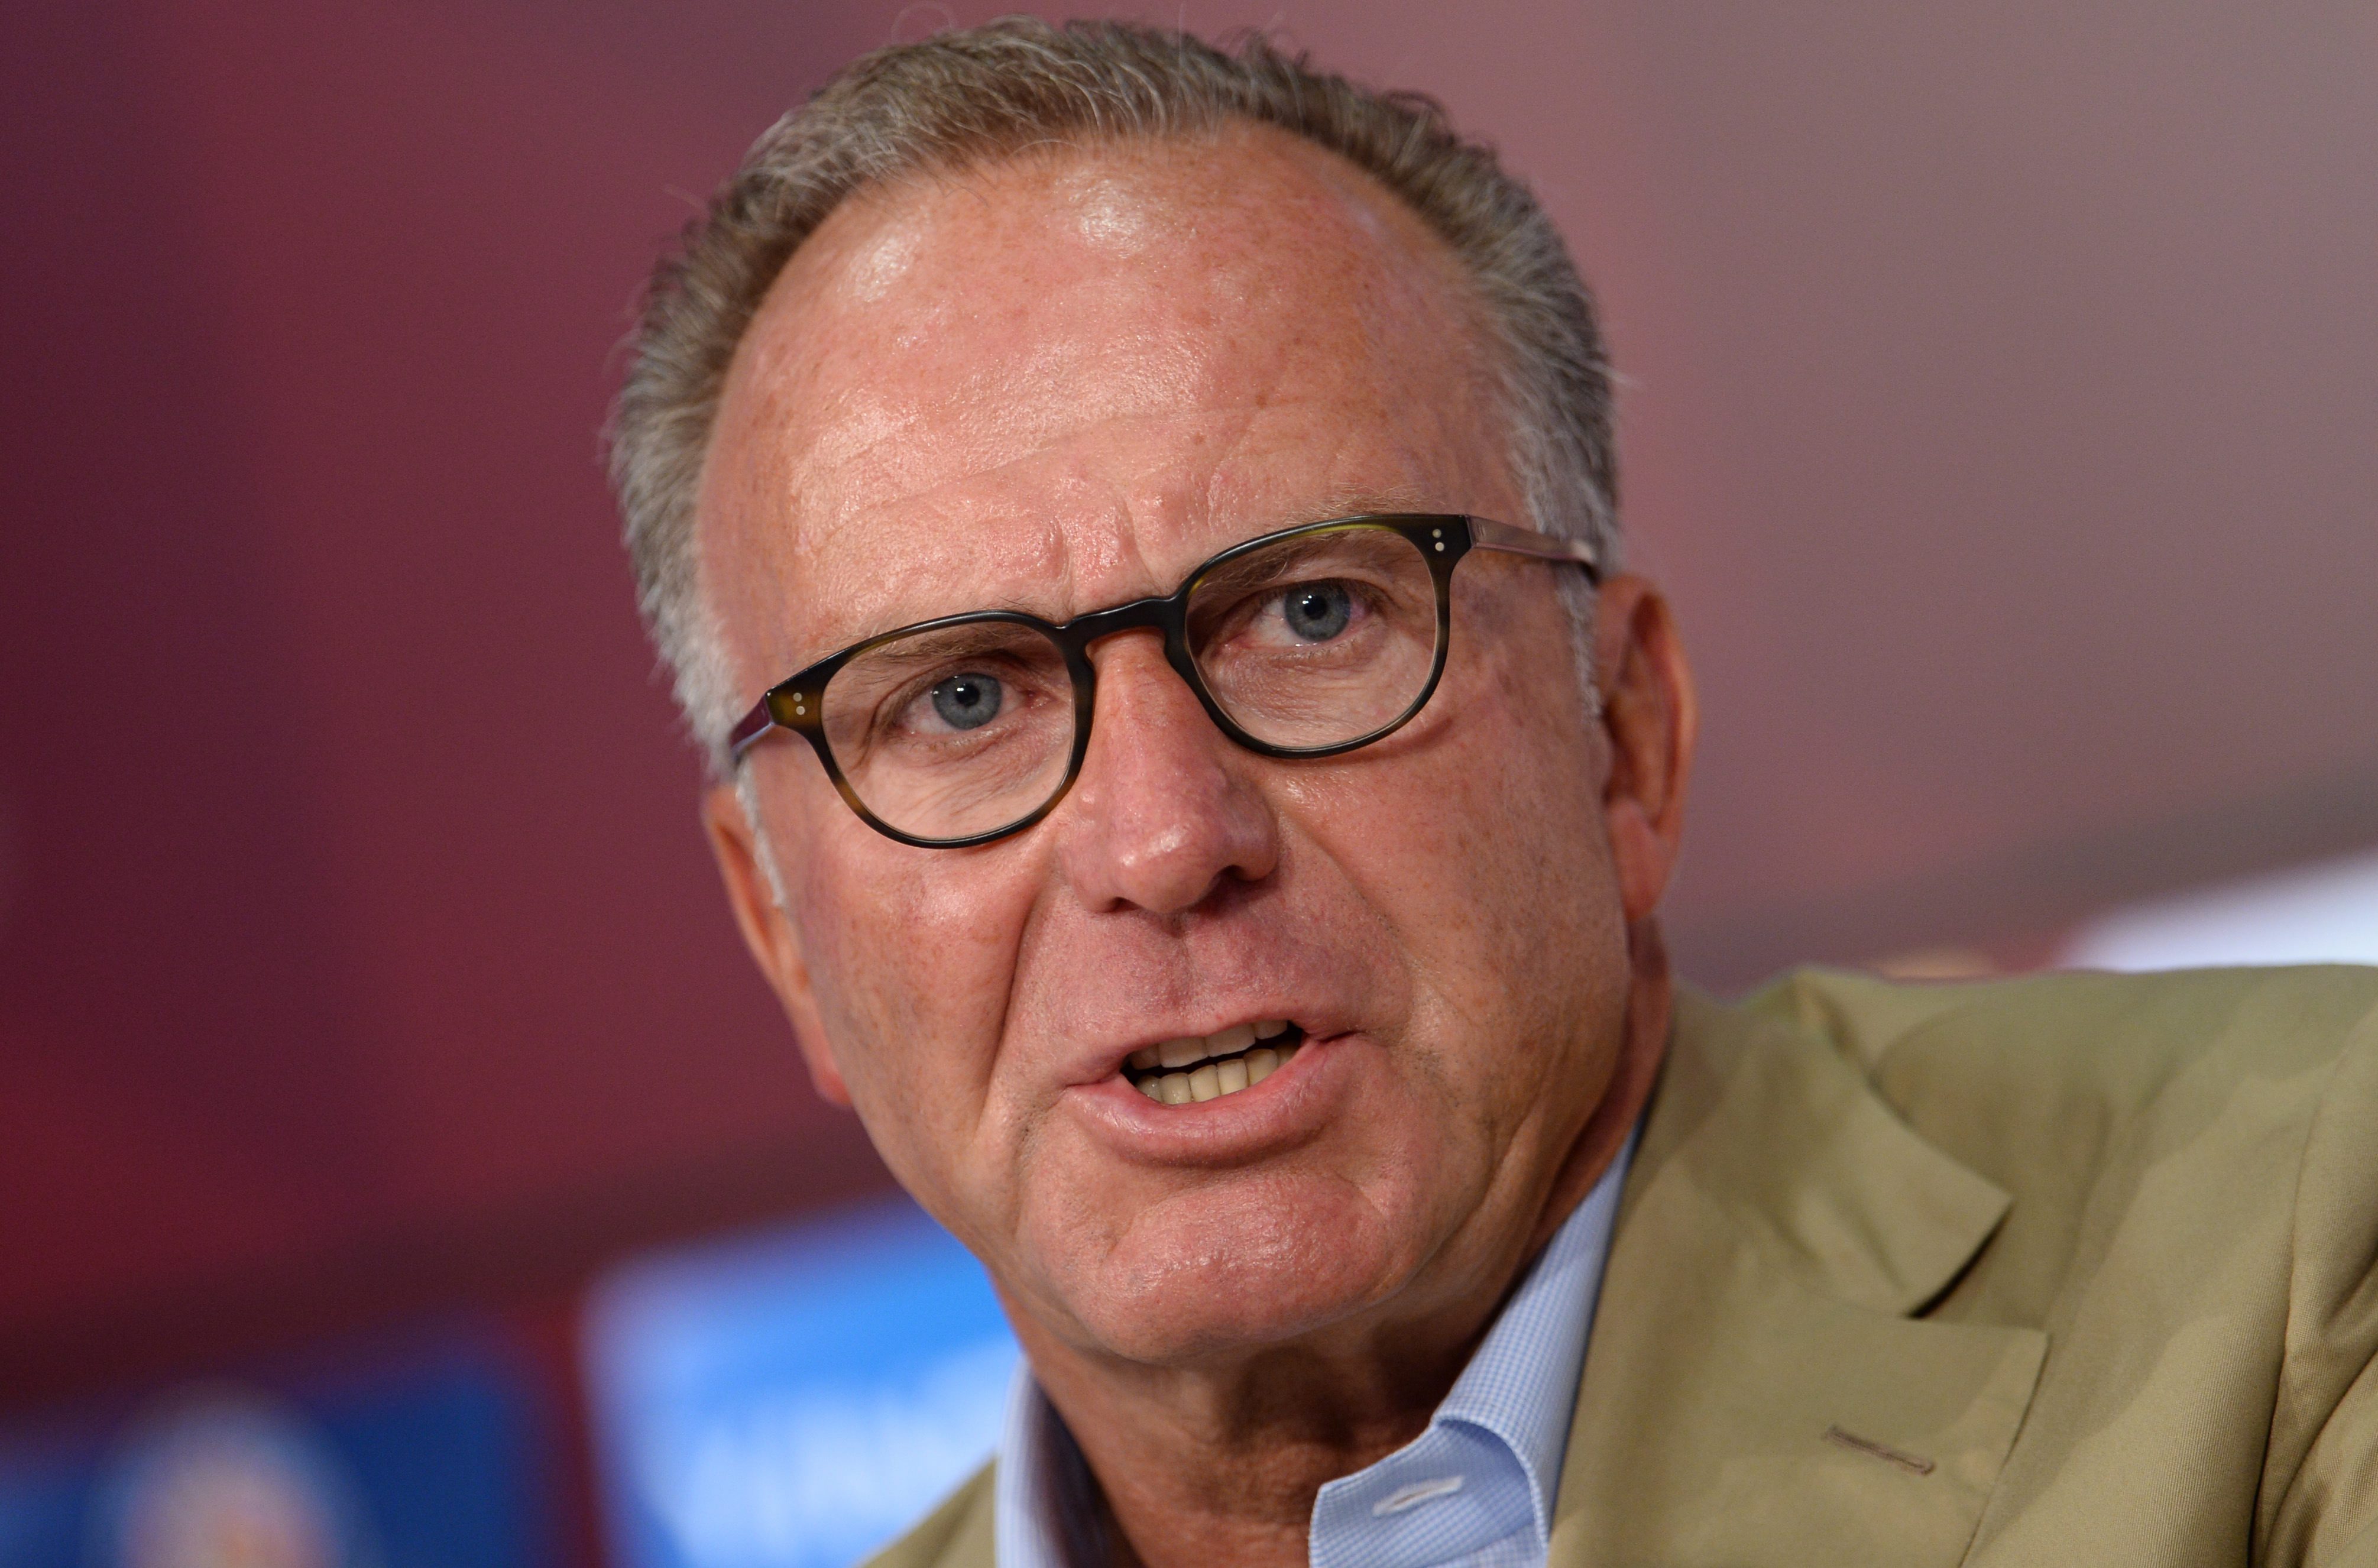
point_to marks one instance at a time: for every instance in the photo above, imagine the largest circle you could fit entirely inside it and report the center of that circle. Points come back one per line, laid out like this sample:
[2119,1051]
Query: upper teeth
[1214,1078]
[1191,1049]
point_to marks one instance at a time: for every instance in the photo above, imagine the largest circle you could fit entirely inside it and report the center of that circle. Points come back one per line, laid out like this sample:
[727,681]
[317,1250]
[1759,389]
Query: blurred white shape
[221,1478]
[2324,914]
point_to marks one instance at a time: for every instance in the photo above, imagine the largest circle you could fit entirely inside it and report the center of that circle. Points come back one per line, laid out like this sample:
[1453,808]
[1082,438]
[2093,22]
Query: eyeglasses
[1307,643]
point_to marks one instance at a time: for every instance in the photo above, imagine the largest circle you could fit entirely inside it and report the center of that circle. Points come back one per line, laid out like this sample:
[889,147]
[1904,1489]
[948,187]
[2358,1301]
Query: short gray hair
[987,93]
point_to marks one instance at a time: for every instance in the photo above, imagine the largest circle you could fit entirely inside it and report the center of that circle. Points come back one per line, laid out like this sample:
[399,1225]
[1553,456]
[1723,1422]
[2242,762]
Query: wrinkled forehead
[1051,380]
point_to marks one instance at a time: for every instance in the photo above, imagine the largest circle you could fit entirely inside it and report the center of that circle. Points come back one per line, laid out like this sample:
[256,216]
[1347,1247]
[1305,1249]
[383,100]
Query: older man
[1134,529]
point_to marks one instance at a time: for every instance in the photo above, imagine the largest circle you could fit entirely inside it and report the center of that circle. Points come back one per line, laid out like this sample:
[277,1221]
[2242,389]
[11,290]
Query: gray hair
[983,93]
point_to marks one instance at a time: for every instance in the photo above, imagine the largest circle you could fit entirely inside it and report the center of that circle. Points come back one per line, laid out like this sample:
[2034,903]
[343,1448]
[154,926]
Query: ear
[1650,718]
[768,932]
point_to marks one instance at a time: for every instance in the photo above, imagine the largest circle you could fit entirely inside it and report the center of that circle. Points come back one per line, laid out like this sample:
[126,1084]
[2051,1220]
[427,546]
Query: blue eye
[1315,612]
[967,702]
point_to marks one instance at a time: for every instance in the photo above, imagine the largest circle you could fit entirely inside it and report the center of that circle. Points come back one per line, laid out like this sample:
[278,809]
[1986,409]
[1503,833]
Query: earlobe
[768,933]
[1649,719]
[1644,860]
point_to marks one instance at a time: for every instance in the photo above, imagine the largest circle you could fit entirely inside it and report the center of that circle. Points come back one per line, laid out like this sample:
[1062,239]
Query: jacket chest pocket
[1766,1424]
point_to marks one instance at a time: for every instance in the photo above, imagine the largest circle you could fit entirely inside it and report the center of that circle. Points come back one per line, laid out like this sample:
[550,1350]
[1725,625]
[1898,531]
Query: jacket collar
[1779,1135]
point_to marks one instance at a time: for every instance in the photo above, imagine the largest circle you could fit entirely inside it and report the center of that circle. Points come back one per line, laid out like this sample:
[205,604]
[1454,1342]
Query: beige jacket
[2076,1270]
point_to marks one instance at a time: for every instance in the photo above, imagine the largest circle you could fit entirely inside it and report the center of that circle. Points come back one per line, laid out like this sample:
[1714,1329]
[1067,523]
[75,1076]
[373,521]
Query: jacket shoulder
[2087,1025]
[2246,1086]
[957,1534]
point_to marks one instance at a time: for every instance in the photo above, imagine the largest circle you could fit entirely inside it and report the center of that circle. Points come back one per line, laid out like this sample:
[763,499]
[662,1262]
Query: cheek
[911,956]
[1482,845]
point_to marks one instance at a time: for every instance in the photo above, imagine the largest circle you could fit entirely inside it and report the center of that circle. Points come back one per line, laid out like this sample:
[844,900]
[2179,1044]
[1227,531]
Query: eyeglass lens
[1317,639]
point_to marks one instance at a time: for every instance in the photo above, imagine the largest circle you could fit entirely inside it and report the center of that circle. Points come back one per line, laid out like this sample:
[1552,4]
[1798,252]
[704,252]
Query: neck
[1203,1465]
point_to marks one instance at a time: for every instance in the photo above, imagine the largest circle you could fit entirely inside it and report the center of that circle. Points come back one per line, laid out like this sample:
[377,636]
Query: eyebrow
[1342,500]
[1351,500]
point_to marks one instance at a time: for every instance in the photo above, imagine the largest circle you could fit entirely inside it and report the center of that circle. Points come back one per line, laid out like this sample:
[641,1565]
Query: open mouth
[1207,1066]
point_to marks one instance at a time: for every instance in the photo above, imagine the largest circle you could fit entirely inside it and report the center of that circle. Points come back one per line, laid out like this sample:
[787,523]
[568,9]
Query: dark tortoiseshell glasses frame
[796,703]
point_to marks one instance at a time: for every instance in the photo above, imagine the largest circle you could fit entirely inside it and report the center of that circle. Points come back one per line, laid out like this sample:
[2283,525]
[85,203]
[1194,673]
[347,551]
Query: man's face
[1056,385]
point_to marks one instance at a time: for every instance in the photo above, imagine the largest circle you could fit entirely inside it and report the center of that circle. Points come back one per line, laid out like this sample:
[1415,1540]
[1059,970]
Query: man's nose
[1162,815]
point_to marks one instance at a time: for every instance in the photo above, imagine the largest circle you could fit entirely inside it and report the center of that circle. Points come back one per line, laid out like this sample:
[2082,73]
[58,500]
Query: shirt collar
[1038,1518]
[1518,1391]
[1521,1382]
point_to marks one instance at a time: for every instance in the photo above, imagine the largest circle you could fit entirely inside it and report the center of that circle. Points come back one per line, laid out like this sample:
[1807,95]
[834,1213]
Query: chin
[1210,1274]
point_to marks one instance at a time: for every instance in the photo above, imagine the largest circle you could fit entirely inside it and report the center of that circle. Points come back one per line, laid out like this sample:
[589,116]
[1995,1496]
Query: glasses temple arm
[1486,535]
[750,728]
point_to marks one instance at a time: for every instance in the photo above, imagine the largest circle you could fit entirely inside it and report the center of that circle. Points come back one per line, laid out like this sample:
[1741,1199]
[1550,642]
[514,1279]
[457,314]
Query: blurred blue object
[795,1398]
[370,1460]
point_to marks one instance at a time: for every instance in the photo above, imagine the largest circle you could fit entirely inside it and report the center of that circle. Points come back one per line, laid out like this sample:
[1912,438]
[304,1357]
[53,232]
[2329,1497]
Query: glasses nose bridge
[1160,614]
[1152,615]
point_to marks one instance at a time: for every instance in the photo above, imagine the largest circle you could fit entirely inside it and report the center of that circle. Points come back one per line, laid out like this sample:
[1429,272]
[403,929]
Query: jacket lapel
[1755,1389]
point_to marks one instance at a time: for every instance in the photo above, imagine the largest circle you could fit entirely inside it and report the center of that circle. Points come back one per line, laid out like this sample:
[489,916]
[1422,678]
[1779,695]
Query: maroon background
[2002,410]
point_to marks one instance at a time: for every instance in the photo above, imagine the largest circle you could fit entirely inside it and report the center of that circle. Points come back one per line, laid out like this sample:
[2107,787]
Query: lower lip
[1285,1109]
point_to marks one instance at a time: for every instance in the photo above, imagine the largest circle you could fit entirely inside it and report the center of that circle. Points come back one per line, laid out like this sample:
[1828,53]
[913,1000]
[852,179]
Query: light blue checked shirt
[1475,1490]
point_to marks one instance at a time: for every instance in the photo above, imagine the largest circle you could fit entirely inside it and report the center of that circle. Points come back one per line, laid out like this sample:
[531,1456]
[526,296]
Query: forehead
[1060,380]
